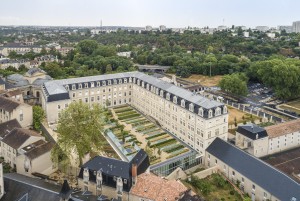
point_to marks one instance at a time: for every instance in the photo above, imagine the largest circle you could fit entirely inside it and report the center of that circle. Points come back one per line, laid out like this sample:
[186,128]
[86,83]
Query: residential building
[15,63]
[288,29]
[11,109]
[269,140]
[65,50]
[262,28]
[112,177]
[222,28]
[7,127]
[15,94]
[35,158]
[296,27]
[255,177]
[13,142]
[194,119]
[151,187]
[19,48]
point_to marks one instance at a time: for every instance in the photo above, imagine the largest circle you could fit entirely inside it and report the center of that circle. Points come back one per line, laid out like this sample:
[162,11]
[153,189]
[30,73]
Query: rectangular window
[21,117]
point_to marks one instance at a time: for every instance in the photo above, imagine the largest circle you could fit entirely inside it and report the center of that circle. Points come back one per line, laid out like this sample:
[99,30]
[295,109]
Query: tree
[38,116]
[235,84]
[87,46]
[79,128]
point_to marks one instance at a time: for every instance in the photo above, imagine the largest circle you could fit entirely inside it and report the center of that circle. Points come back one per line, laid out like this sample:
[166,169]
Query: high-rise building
[148,28]
[296,27]
[262,28]
[288,29]
[162,27]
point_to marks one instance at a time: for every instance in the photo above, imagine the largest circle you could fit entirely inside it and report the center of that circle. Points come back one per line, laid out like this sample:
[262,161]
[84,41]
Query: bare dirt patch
[205,80]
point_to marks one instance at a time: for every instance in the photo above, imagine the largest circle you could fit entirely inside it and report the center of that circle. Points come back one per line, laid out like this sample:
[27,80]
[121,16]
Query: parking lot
[258,94]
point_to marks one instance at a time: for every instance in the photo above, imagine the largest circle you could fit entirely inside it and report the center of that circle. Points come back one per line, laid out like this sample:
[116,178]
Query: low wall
[205,173]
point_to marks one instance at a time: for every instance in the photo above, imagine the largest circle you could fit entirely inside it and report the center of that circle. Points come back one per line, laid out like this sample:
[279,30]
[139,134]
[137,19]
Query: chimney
[134,173]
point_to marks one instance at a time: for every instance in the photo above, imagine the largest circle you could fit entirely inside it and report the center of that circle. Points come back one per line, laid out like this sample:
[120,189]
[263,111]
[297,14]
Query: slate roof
[56,87]
[65,190]
[259,172]
[251,130]
[17,186]
[18,136]
[39,150]
[8,104]
[32,71]
[8,126]
[109,166]
[7,85]
[283,128]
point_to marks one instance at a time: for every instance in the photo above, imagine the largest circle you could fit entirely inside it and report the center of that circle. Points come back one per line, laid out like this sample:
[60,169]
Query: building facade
[269,140]
[296,27]
[260,180]
[11,109]
[192,118]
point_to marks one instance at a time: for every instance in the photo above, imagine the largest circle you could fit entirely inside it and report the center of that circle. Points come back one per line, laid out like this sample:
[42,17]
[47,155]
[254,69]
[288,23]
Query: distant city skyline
[139,13]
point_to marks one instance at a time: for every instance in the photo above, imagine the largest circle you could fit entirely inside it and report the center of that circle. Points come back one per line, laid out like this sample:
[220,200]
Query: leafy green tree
[54,70]
[79,128]
[38,116]
[235,84]
[87,46]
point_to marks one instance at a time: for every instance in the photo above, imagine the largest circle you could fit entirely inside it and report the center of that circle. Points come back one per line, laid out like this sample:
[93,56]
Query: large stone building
[255,177]
[192,118]
[269,140]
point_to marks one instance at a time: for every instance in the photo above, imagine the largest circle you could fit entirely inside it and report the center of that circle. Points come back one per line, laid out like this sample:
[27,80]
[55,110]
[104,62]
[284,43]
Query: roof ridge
[258,159]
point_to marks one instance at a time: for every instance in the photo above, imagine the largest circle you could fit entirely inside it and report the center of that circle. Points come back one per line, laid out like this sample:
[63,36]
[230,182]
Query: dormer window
[103,83]
[80,86]
[143,84]
[157,91]
[86,85]
[120,81]
[130,80]
[125,80]
[182,103]
[175,99]
[138,82]
[225,110]
[109,82]
[217,111]
[147,86]
[168,96]
[73,87]
[98,84]
[86,175]
[161,93]
[210,113]
[92,84]
[115,81]
[67,87]
[201,112]
[191,107]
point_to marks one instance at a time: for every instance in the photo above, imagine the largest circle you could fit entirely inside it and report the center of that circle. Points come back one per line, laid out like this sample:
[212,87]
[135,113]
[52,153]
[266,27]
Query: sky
[139,13]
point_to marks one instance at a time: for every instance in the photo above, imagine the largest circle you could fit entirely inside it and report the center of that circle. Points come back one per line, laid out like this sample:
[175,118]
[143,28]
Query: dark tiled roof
[265,176]
[16,186]
[8,104]
[251,130]
[18,136]
[39,150]
[8,126]
[109,166]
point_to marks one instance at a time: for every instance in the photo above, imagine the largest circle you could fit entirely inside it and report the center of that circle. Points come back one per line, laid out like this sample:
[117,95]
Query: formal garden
[133,131]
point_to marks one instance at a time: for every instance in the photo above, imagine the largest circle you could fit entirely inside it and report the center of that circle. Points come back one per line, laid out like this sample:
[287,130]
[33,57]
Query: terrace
[131,131]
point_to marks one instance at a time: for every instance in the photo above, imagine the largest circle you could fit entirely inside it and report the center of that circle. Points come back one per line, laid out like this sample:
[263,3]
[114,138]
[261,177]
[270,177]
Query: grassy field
[294,103]
[213,188]
[238,114]
[205,80]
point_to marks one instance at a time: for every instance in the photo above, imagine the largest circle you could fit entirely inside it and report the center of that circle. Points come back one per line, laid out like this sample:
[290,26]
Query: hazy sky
[172,13]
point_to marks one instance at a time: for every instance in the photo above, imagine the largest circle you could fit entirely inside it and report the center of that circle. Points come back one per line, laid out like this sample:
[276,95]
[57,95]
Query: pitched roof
[13,93]
[65,190]
[17,186]
[283,128]
[256,170]
[251,130]
[8,126]
[109,166]
[38,148]
[8,104]
[18,136]
[153,187]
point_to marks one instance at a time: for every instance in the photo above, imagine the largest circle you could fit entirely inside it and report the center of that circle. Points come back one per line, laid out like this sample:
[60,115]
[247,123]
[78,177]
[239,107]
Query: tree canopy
[79,128]
[235,84]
